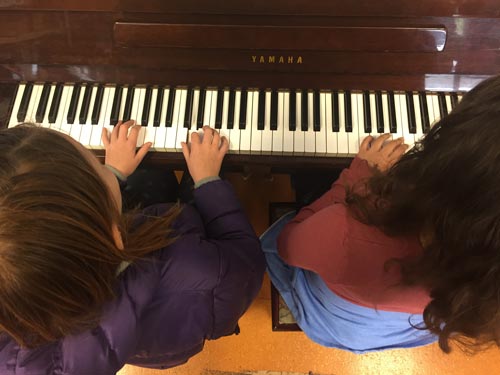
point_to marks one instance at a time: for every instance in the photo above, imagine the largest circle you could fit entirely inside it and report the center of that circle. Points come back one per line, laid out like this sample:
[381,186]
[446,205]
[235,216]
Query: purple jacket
[169,303]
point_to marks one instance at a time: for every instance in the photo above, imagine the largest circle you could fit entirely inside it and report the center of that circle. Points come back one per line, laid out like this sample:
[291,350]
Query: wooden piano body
[399,45]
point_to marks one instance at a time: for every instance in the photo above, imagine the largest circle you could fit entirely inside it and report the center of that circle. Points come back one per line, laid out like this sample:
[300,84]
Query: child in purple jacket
[85,288]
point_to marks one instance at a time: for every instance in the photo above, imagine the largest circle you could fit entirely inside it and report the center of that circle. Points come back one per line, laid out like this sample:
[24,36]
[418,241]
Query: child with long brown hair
[85,288]
[404,249]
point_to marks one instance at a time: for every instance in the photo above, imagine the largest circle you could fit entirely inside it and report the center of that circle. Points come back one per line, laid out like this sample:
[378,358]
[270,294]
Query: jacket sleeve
[241,261]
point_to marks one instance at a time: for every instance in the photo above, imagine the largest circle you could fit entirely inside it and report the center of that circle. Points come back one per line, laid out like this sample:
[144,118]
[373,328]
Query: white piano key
[123,101]
[45,122]
[362,134]
[287,134]
[342,136]
[256,137]
[76,128]
[213,109]
[15,108]
[65,127]
[182,131]
[171,140]
[299,136]
[354,136]
[150,131]
[409,138]
[207,107]
[399,115]
[162,131]
[321,135]
[435,105]
[107,112]
[373,113]
[310,136]
[235,131]
[430,109]
[33,103]
[267,133]
[86,133]
[385,110]
[136,113]
[418,118]
[331,136]
[246,134]
[278,133]
[449,107]
[195,109]
[107,103]
[224,131]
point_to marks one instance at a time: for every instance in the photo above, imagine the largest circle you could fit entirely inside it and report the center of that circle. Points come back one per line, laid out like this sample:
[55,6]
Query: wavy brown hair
[58,258]
[447,191]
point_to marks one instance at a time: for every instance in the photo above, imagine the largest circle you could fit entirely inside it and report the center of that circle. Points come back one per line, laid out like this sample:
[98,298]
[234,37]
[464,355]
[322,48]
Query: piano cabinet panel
[370,8]
[56,37]
[483,8]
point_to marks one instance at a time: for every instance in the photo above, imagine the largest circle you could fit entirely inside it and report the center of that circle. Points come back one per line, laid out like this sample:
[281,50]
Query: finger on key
[365,145]
[389,147]
[380,141]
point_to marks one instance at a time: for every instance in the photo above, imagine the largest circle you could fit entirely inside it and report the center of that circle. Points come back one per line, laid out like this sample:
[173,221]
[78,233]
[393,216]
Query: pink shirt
[348,255]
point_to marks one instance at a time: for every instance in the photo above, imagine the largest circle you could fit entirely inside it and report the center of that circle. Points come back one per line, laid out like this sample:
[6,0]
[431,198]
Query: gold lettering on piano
[272,59]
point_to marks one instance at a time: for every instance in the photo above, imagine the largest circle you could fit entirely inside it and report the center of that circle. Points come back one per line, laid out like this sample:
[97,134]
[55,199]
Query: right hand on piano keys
[287,122]
[382,152]
[204,153]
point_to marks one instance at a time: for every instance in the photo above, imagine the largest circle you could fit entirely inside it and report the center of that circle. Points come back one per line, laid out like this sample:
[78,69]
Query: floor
[259,351]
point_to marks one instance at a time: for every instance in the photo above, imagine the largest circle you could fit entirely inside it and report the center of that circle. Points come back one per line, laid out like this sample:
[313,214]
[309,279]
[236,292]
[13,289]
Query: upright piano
[291,83]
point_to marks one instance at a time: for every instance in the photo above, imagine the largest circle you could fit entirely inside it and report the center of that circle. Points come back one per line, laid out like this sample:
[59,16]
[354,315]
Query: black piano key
[379,109]
[262,110]
[443,111]
[25,100]
[219,109]
[75,95]
[348,111]
[243,109]
[158,107]
[147,105]
[170,108]
[56,102]
[84,109]
[188,116]
[412,121]
[230,112]
[201,109]
[115,109]
[424,112]
[96,111]
[454,100]
[129,102]
[304,126]
[316,116]
[393,125]
[274,110]
[292,125]
[367,112]
[335,112]
[42,103]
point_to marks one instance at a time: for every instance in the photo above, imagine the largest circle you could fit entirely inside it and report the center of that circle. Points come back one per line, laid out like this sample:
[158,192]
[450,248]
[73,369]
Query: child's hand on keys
[205,153]
[380,152]
[121,147]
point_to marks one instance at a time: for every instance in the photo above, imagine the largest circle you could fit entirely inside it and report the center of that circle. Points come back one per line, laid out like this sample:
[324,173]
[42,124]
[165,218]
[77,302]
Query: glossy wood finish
[304,38]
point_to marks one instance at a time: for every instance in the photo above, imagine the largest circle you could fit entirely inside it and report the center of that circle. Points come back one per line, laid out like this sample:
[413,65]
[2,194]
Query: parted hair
[446,190]
[58,258]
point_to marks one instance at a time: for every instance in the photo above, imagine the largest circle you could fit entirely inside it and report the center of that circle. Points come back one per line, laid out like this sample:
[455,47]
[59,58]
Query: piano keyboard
[260,121]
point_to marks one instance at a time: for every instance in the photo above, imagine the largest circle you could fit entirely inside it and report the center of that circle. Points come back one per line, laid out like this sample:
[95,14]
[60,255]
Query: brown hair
[447,190]
[58,259]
